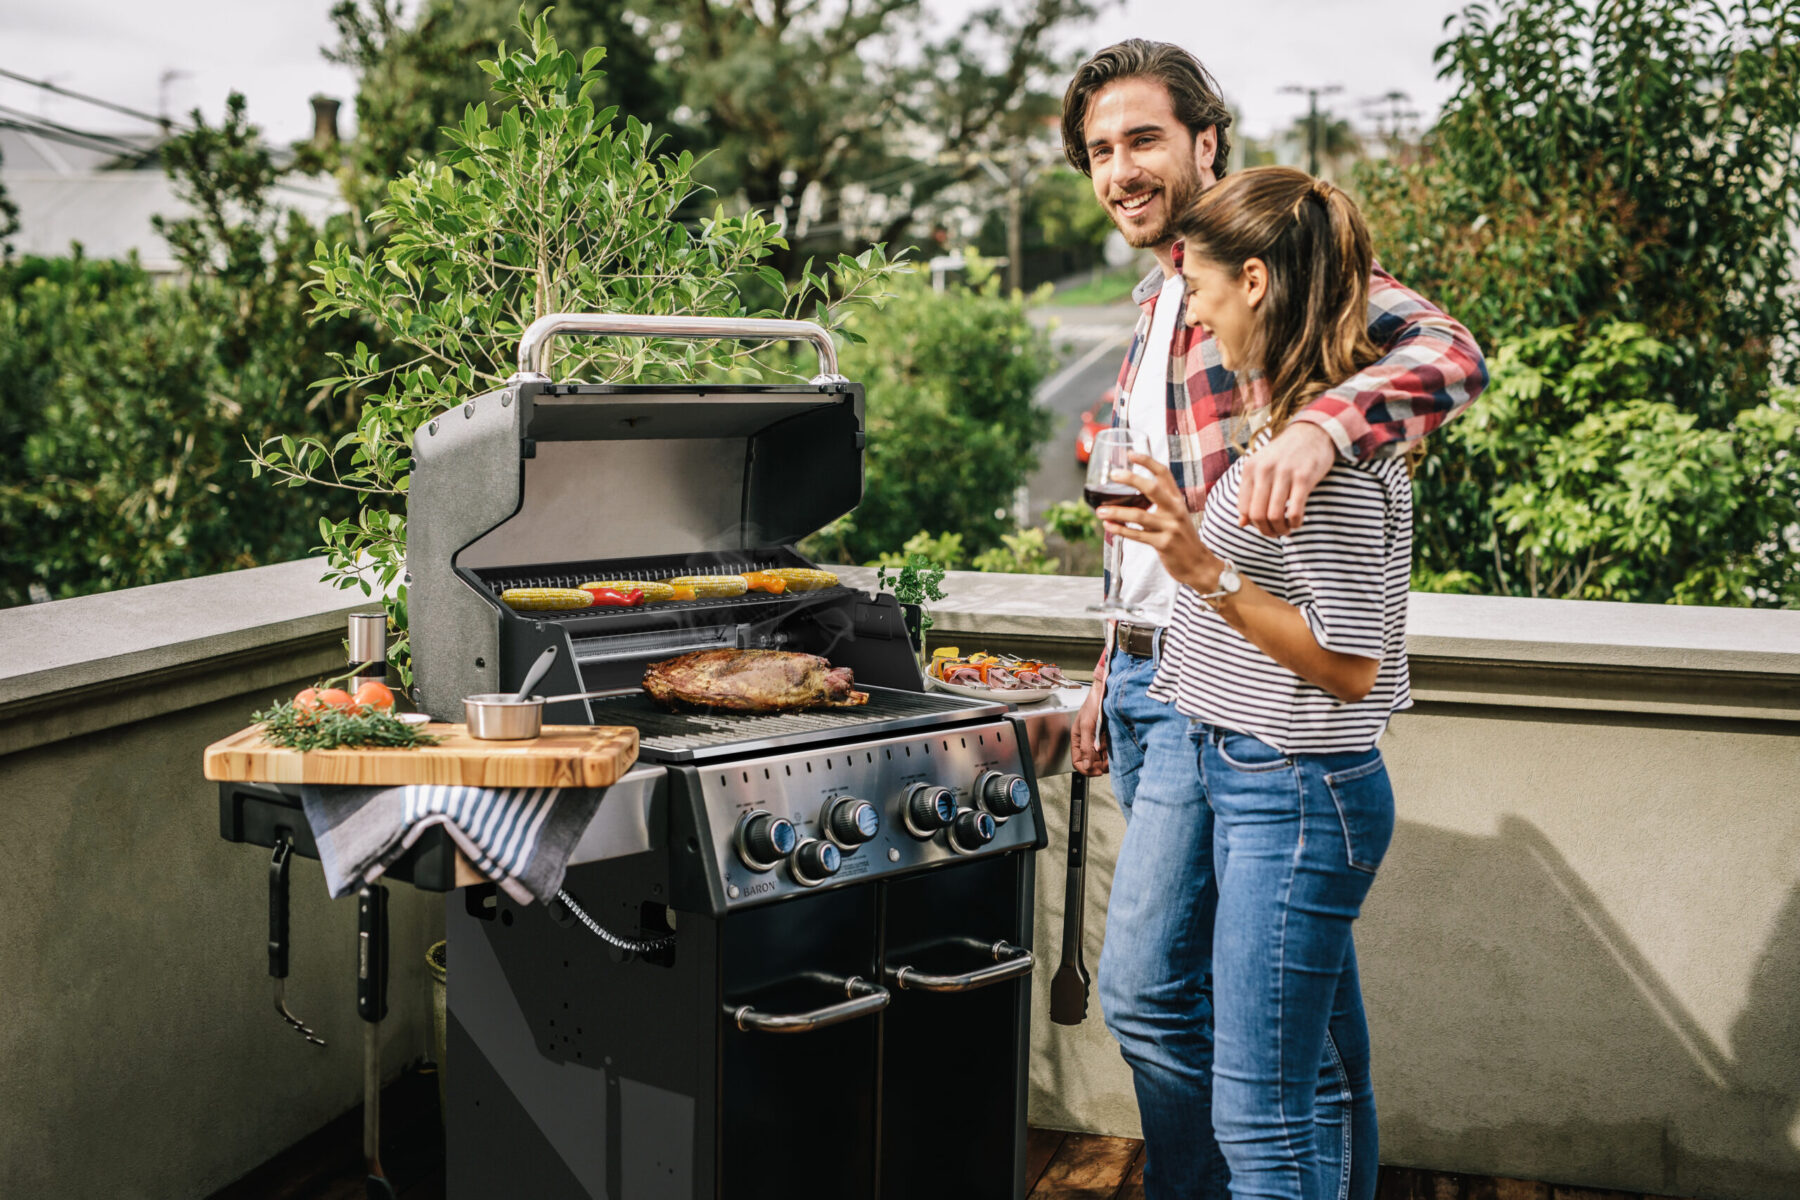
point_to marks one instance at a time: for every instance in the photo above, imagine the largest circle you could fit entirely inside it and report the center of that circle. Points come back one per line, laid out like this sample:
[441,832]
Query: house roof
[68,191]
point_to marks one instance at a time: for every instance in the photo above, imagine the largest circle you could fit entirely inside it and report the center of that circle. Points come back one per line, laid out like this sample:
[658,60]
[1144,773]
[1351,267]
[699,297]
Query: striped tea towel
[521,838]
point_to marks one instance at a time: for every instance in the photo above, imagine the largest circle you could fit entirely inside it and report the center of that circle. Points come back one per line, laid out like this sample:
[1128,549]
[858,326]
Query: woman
[1289,656]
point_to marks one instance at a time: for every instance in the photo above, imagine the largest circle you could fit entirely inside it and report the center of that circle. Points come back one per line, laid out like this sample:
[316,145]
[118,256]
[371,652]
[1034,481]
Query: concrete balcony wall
[140,1055]
[1581,960]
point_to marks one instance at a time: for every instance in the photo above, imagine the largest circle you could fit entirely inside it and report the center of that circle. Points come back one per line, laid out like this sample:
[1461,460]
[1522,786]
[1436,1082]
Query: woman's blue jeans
[1296,843]
[1157,985]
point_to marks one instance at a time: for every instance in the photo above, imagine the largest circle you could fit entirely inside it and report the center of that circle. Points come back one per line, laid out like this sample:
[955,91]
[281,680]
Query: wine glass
[1112,453]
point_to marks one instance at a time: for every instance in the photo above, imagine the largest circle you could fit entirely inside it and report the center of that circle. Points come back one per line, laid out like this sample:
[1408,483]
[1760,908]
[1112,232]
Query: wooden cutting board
[562,756]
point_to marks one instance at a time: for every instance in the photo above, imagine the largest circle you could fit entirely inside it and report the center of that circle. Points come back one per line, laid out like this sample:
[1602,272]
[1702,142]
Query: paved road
[1090,345]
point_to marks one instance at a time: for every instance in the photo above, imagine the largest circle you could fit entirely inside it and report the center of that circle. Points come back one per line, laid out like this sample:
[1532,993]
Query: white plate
[414,718]
[983,692]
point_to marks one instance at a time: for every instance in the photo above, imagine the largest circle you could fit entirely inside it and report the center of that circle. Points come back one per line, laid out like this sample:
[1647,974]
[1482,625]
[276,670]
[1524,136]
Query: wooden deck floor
[1083,1166]
[1059,1166]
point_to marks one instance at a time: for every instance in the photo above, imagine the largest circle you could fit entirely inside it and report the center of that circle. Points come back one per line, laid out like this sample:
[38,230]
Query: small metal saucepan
[505,717]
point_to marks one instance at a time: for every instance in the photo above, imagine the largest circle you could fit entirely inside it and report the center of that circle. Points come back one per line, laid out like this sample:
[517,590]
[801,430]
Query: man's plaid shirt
[1432,370]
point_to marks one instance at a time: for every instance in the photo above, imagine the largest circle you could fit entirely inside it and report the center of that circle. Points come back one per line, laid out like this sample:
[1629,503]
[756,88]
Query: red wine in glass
[1120,494]
[1111,456]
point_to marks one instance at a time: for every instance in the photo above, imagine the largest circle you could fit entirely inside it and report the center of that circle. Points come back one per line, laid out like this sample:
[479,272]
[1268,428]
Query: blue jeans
[1296,843]
[1156,969]
[1156,965]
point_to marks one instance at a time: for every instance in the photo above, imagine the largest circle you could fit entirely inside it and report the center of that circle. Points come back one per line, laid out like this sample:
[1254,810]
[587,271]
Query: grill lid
[538,474]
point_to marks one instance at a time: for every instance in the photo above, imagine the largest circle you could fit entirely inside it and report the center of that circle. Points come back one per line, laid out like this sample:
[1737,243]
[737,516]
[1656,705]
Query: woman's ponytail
[1312,329]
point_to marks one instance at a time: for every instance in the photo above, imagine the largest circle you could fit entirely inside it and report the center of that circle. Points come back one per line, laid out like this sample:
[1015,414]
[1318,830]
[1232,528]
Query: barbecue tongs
[1069,986]
[278,934]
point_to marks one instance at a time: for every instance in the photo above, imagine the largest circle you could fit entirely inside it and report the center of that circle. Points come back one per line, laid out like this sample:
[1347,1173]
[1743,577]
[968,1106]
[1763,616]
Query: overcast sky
[269,50]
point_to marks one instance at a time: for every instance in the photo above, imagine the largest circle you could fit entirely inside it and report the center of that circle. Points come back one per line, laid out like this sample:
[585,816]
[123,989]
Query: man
[1146,122]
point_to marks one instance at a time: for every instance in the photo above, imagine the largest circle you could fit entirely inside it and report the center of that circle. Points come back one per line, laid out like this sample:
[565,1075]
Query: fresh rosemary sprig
[284,724]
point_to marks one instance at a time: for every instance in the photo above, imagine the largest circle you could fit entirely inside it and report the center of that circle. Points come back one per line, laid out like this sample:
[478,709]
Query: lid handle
[534,346]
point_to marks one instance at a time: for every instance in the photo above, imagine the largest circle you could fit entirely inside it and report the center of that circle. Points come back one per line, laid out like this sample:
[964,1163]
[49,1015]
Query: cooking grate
[665,736]
[568,575]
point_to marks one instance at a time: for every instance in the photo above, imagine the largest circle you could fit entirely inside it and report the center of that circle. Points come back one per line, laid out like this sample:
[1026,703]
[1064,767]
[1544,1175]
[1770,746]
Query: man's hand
[1279,477]
[1089,735]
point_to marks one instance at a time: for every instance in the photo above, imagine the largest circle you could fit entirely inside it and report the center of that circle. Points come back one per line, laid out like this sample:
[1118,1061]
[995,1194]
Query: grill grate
[570,574]
[665,736]
[498,583]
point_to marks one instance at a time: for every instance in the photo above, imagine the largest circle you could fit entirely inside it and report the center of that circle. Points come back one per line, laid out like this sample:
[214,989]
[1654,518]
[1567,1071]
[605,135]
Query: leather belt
[1139,641]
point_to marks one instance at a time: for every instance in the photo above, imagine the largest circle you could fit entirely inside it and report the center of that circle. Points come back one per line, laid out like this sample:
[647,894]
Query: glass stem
[1115,558]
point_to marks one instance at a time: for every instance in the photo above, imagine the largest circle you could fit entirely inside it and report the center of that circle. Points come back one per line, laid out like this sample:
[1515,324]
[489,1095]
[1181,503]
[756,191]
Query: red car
[1084,437]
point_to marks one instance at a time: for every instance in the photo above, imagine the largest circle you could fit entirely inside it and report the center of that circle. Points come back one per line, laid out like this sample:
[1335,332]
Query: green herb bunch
[287,724]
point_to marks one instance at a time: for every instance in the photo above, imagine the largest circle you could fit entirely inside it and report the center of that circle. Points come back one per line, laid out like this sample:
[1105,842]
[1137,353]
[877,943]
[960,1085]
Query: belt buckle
[1139,640]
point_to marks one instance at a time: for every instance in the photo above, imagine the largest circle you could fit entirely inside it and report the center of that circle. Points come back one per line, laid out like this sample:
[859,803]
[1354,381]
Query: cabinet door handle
[865,999]
[1010,962]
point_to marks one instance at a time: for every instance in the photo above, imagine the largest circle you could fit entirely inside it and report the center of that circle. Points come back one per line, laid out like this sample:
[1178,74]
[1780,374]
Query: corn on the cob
[803,579]
[654,593]
[544,599]
[708,586]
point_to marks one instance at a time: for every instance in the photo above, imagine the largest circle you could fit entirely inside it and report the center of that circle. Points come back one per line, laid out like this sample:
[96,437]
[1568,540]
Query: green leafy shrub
[1023,553]
[953,426]
[1627,160]
[545,205]
[125,403]
[1603,169]
[945,550]
[1601,490]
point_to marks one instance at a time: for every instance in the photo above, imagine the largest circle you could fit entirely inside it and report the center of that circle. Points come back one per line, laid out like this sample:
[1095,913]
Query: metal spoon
[538,670]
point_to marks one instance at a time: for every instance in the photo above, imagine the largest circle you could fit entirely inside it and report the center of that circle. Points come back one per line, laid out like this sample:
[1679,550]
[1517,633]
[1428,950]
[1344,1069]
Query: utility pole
[1313,131]
[1018,172]
[169,76]
[1017,176]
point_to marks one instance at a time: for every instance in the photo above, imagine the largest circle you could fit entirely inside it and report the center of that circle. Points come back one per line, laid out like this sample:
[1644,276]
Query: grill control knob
[1003,795]
[928,809]
[764,839]
[850,822]
[814,862]
[972,830]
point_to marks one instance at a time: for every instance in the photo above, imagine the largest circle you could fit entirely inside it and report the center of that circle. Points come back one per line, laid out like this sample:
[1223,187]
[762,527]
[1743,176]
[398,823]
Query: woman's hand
[1166,527]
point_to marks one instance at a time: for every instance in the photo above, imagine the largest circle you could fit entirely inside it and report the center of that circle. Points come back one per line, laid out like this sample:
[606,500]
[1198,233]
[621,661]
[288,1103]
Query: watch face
[1229,580]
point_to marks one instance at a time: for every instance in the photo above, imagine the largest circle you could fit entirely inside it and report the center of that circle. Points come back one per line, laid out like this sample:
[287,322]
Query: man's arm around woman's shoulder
[1432,371]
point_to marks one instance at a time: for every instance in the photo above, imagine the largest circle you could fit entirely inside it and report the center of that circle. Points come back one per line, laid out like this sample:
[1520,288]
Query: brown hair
[1193,92]
[1312,327]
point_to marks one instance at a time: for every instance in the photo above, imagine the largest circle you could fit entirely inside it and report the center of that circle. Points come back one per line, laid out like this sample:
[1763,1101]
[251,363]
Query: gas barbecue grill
[817,924]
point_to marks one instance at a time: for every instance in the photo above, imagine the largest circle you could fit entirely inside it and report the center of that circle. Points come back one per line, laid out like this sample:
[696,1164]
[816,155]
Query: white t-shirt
[1144,584]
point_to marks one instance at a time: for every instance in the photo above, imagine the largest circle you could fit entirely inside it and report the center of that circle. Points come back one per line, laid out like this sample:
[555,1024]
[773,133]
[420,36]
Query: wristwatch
[1230,584]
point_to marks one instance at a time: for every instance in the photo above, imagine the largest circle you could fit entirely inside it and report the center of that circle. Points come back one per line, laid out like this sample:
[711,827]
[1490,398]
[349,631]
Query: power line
[164,122]
[29,123]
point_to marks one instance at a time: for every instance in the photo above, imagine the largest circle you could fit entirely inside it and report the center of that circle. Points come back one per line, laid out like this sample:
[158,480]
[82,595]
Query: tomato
[335,698]
[375,697]
[308,700]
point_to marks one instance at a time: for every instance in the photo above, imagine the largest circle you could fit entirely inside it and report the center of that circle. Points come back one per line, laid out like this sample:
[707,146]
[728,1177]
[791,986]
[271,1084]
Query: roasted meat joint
[791,955]
[752,681]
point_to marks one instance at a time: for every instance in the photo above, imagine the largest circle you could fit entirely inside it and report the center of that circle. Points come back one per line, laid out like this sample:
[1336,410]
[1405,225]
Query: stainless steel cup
[503,717]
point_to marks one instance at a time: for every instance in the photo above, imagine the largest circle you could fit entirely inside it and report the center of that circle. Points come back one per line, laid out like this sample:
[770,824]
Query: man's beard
[1178,194]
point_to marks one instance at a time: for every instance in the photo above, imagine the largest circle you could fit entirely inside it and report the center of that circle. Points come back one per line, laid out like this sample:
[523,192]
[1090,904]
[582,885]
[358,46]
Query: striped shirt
[1347,569]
